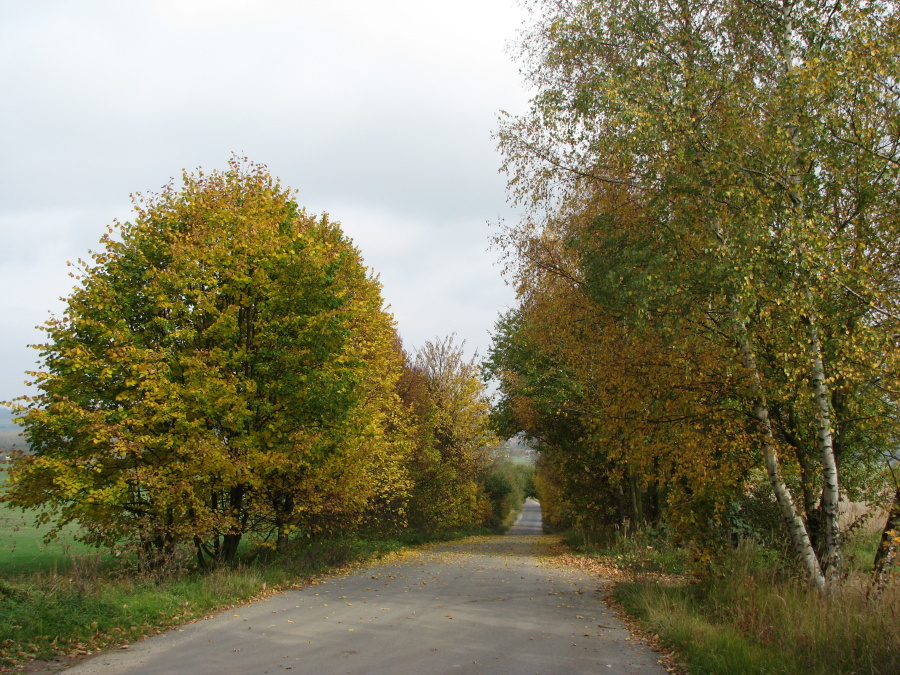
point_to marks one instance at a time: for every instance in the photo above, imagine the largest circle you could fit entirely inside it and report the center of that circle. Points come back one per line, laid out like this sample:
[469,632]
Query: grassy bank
[748,613]
[89,602]
[64,598]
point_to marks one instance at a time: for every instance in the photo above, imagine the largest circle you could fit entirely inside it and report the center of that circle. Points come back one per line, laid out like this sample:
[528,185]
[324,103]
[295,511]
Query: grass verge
[749,614]
[89,603]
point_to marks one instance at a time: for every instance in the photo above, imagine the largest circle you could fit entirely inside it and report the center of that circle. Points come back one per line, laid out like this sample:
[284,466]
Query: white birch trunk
[831,507]
[799,535]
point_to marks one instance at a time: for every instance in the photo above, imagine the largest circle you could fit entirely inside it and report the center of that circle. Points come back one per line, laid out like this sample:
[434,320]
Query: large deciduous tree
[223,360]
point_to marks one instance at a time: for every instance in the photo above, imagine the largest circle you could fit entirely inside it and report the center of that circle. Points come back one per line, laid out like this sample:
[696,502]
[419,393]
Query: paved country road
[480,605]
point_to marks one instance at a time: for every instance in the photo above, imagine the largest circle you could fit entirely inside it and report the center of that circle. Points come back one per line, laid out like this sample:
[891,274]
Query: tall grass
[749,616]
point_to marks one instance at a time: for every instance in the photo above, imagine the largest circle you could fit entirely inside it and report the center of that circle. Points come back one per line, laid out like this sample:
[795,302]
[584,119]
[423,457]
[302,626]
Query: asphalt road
[529,521]
[481,605]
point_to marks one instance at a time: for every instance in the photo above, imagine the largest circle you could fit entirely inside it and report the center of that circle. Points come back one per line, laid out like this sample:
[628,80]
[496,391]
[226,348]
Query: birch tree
[760,140]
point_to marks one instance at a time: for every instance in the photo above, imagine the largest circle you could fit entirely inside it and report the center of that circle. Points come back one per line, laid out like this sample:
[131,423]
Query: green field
[22,545]
[23,549]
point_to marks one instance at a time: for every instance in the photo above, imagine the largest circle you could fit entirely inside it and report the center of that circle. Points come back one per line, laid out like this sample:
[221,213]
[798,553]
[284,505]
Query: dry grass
[749,614]
[862,519]
[848,631]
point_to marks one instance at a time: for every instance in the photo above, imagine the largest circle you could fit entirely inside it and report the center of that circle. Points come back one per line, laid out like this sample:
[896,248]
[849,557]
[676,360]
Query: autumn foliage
[707,265]
[451,437]
[225,369]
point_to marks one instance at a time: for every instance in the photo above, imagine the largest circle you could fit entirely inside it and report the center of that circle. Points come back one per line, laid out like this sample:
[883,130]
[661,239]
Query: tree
[759,142]
[223,357]
[449,415]
[629,427]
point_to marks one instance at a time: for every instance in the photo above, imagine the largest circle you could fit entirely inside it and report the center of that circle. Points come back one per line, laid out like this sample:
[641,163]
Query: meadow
[23,548]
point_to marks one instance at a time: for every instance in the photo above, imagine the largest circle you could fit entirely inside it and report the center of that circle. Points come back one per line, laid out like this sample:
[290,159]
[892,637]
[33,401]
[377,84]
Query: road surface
[529,521]
[481,605]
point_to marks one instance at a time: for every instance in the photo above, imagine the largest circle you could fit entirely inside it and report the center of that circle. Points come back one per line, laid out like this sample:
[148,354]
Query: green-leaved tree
[224,367]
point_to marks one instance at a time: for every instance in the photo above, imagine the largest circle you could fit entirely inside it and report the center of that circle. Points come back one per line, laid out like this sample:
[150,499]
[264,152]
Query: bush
[507,485]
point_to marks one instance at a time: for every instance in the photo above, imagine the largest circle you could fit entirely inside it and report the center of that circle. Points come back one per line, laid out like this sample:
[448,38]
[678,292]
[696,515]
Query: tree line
[225,370]
[707,268]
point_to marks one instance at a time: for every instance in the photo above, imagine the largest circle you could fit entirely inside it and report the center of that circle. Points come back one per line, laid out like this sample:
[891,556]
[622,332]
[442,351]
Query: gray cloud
[379,113]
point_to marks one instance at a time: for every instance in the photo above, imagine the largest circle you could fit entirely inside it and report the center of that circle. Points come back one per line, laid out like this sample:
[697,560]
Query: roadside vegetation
[64,598]
[708,299]
[747,612]
[224,409]
[705,339]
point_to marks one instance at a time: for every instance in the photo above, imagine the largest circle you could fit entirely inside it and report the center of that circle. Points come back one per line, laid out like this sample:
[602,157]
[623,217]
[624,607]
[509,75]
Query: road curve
[481,605]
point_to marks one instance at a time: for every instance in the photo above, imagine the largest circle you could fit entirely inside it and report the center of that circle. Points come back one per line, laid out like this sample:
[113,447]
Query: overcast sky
[379,113]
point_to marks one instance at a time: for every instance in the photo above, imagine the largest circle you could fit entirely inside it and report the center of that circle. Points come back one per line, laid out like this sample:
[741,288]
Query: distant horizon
[6,417]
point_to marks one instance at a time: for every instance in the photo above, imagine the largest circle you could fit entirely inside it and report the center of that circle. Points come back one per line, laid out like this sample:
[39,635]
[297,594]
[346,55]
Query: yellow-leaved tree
[449,427]
[223,368]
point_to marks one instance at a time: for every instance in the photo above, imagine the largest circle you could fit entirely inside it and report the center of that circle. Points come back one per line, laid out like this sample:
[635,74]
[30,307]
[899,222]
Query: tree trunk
[230,544]
[282,540]
[637,504]
[831,497]
[809,483]
[886,555]
[201,561]
[231,540]
[799,535]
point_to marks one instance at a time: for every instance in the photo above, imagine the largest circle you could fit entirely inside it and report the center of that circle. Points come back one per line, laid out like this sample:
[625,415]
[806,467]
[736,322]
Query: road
[481,605]
[529,521]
